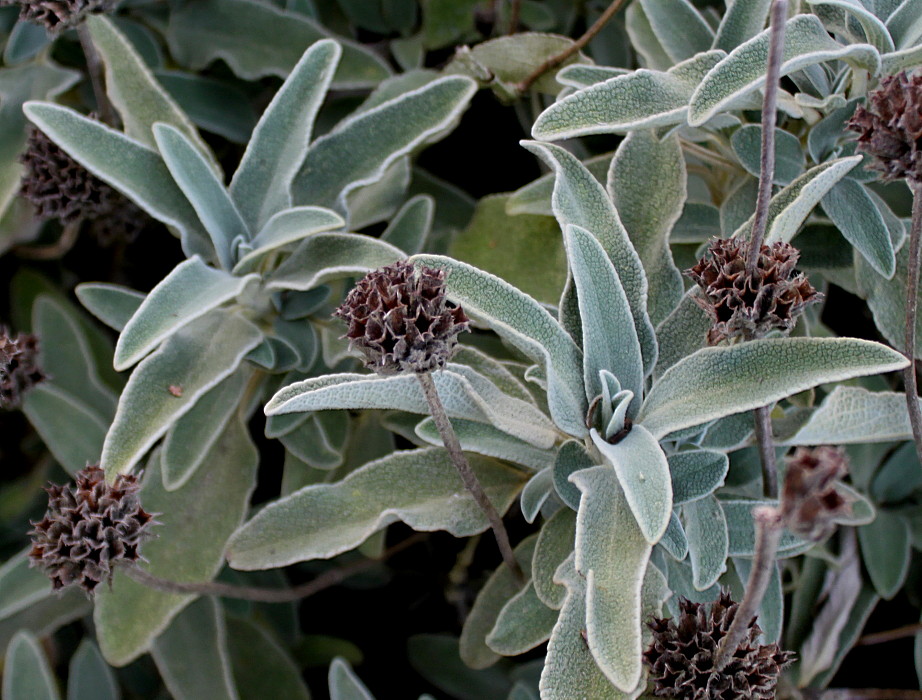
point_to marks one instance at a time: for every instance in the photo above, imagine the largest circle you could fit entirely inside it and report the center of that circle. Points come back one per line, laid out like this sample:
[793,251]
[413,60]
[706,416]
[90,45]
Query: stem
[268,595]
[912,300]
[890,635]
[577,46]
[54,250]
[471,482]
[763,422]
[515,9]
[769,119]
[94,68]
[768,534]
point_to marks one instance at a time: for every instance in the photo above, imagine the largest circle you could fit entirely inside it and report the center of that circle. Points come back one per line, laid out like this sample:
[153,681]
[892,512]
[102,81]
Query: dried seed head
[400,319]
[749,305]
[19,370]
[890,128]
[59,187]
[58,15]
[810,503]
[88,528]
[681,656]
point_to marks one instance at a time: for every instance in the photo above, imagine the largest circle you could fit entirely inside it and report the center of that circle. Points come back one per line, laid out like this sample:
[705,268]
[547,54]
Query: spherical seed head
[810,503]
[88,528]
[401,320]
[58,15]
[749,305]
[890,127]
[19,370]
[681,656]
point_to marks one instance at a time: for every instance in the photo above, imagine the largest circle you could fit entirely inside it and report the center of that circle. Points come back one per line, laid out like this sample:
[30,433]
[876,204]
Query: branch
[94,68]
[910,379]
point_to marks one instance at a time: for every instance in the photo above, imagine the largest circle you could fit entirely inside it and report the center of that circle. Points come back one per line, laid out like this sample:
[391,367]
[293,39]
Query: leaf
[194,359]
[411,226]
[140,100]
[553,547]
[214,105]
[900,60]
[130,167]
[750,375]
[887,565]
[261,186]
[643,473]
[887,299]
[680,28]
[905,25]
[898,477]
[524,250]
[90,677]
[187,293]
[130,617]
[741,528]
[464,393]
[535,197]
[20,585]
[112,304]
[204,191]
[580,75]
[579,199]
[44,617]
[696,474]
[571,457]
[258,39]
[741,22]
[191,654]
[771,610]
[375,138]
[28,675]
[344,684]
[523,624]
[875,32]
[25,40]
[643,99]
[419,487]
[524,323]
[674,540]
[612,553]
[854,213]
[789,156]
[435,657]
[486,440]
[283,228]
[326,256]
[681,333]
[708,540]
[742,72]
[650,214]
[261,668]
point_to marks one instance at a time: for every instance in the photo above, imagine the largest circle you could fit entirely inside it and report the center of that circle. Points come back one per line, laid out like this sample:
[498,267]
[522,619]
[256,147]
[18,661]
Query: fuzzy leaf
[286,227]
[741,528]
[887,565]
[535,197]
[681,333]
[486,440]
[680,28]
[741,22]
[571,457]
[344,684]
[580,75]
[789,156]
[261,667]
[708,541]
[261,186]
[742,72]
[90,677]
[27,674]
[20,585]
[696,474]
[554,545]
[192,361]
[674,540]
[875,32]
[535,494]
[854,213]
[887,299]
[420,488]
[523,623]
[112,304]
[746,376]
[410,227]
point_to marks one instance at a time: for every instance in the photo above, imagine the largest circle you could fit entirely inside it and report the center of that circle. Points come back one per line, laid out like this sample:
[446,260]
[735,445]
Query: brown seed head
[810,503]
[681,656]
[749,305]
[88,528]
[58,15]
[890,128]
[401,320]
[19,370]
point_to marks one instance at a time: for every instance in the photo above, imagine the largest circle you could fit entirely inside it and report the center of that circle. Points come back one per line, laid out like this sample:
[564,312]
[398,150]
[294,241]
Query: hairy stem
[268,595]
[912,302]
[769,119]
[768,534]
[763,423]
[94,68]
[577,46]
[515,10]
[890,635]
[471,482]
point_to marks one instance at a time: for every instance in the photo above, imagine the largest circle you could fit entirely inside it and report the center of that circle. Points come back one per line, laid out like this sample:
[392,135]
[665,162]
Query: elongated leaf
[262,668]
[112,304]
[20,585]
[523,624]
[680,28]
[411,225]
[529,327]
[750,375]
[325,256]
[258,39]
[643,473]
[285,227]
[375,138]
[344,684]
[901,60]
[741,22]
[708,541]
[649,214]
[789,156]
[674,540]
[140,100]
[581,200]
[875,32]
[742,72]
[887,565]
[681,333]
[535,197]
[741,528]
[202,515]
[464,393]
[192,361]
[261,186]
[486,440]
[696,474]
[419,487]
[191,654]
[73,431]
[612,553]
[205,191]
[191,290]
[90,677]
[854,213]
[580,75]
[554,545]
[129,166]
[215,105]
[27,675]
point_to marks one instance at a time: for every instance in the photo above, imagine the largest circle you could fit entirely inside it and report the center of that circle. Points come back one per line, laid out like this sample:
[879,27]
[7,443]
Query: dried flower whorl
[19,370]
[57,15]
[810,503]
[681,656]
[401,320]
[741,304]
[88,528]
[890,128]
